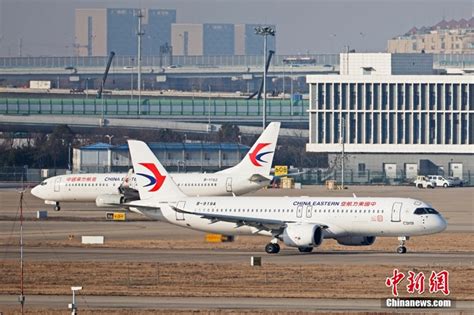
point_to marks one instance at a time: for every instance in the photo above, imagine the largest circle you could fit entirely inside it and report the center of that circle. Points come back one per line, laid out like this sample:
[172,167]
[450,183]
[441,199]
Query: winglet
[153,181]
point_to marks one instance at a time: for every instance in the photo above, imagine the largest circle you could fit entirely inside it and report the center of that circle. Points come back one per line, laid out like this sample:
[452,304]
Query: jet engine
[109,200]
[302,235]
[356,240]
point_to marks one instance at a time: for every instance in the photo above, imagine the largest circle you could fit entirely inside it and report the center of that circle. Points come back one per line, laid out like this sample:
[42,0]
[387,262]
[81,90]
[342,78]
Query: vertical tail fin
[153,181]
[260,157]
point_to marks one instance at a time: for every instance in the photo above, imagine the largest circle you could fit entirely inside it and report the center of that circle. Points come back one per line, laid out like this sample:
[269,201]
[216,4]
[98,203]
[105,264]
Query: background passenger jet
[251,174]
[298,222]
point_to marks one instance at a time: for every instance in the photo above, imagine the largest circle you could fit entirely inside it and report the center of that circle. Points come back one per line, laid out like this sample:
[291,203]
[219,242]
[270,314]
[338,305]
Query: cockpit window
[43,183]
[421,211]
[431,211]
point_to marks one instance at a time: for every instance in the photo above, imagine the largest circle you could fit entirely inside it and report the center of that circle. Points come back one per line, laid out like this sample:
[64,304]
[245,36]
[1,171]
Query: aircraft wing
[261,224]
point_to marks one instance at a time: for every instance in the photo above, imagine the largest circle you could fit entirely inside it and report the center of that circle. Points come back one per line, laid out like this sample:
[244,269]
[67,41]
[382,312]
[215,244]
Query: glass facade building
[402,110]
[157,31]
[218,39]
[122,27]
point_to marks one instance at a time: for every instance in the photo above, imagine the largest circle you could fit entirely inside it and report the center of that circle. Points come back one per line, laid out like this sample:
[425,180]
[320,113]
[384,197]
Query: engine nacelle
[356,240]
[109,200]
[302,235]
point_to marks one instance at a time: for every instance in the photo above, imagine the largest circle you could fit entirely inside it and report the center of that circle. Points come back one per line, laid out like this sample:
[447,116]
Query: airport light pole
[73,306]
[140,33]
[264,31]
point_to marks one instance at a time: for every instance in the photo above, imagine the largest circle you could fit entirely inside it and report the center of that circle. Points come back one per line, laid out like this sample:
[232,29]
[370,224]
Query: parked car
[424,182]
[457,182]
[441,181]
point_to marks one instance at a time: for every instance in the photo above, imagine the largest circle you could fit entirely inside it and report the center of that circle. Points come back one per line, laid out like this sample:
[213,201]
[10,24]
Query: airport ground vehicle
[441,181]
[424,182]
[300,222]
[251,174]
[457,182]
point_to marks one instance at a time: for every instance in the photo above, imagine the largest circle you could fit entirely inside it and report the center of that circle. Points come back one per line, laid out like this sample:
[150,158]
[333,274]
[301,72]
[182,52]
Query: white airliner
[251,174]
[301,222]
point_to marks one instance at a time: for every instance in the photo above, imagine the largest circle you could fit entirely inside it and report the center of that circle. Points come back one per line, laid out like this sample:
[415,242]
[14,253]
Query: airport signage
[115,216]
[281,170]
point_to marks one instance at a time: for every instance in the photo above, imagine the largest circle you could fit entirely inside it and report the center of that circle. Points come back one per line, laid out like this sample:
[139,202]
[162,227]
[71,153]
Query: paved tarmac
[214,303]
[456,204]
[223,256]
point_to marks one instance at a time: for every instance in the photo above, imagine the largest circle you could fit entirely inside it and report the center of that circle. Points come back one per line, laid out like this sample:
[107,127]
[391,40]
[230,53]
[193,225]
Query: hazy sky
[46,27]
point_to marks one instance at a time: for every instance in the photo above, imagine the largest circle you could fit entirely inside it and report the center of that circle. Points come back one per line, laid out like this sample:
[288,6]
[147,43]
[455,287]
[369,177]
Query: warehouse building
[98,31]
[180,157]
[394,117]
[214,39]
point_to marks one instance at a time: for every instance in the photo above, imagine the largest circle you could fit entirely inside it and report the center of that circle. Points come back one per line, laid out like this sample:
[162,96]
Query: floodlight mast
[140,33]
[264,31]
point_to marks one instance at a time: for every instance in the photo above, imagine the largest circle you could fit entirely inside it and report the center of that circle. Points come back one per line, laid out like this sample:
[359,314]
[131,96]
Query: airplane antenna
[354,195]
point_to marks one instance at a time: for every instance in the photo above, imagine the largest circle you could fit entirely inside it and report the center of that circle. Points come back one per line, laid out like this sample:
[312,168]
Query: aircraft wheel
[305,249]
[401,249]
[272,248]
[57,207]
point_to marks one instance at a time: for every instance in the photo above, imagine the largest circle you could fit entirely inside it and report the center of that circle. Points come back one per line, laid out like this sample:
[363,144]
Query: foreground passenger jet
[251,174]
[301,222]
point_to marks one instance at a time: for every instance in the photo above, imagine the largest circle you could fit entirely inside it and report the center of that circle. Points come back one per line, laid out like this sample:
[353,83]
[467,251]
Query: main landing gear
[305,249]
[402,249]
[272,247]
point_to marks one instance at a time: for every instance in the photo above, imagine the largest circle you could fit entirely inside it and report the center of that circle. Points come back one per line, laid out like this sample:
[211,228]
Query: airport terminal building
[395,116]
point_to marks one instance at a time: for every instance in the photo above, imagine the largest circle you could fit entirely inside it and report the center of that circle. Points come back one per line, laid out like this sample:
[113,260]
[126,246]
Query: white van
[441,181]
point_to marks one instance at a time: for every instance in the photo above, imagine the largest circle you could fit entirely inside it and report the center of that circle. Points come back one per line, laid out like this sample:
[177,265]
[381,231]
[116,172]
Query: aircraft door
[299,211]
[228,184]
[309,211]
[396,211]
[180,215]
[57,184]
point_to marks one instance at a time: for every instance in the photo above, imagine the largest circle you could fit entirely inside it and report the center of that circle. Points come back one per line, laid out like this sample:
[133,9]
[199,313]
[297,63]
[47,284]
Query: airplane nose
[439,224]
[35,192]
[442,224]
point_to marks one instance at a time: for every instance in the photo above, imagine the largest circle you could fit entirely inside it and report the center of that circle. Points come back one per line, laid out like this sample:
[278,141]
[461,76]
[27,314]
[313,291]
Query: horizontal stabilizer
[259,178]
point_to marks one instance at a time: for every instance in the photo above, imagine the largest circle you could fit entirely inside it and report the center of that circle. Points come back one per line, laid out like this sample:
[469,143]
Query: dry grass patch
[219,280]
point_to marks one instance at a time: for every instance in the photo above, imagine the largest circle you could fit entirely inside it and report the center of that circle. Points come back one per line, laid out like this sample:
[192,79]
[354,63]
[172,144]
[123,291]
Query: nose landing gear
[402,249]
[57,207]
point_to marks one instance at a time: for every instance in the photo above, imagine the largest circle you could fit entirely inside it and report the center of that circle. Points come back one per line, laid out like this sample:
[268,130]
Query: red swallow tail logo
[156,180]
[256,157]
